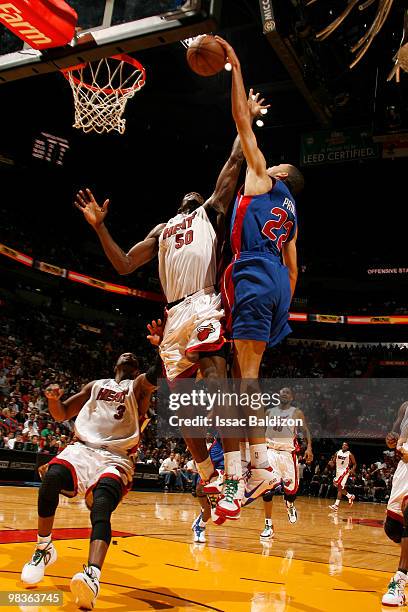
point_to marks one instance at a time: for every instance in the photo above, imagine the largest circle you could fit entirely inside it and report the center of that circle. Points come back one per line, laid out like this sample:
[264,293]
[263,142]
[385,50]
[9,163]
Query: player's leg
[106,497]
[202,519]
[267,532]
[349,496]
[213,368]
[396,528]
[336,504]
[290,474]
[249,356]
[57,478]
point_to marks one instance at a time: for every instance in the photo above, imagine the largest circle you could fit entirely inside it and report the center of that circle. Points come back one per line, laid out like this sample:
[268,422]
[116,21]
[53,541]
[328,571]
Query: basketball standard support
[289,59]
[200,18]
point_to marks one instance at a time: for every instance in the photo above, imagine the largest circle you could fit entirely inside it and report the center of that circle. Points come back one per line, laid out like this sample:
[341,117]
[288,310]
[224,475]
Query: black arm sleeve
[155,371]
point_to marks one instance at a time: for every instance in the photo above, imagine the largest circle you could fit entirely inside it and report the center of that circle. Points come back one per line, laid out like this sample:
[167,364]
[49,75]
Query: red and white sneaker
[229,503]
[259,481]
[351,499]
[214,484]
[216,519]
[395,595]
[334,507]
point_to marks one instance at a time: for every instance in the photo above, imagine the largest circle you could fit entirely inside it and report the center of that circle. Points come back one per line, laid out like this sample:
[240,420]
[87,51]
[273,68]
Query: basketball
[206,56]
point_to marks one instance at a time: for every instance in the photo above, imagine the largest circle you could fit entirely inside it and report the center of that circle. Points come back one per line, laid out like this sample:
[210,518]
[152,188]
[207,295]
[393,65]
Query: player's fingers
[80,197]
[251,93]
[79,206]
[159,322]
[90,196]
[261,101]
[105,205]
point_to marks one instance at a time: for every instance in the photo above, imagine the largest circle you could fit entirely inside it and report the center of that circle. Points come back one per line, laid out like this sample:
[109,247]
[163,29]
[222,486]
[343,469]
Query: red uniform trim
[206,347]
[228,296]
[296,485]
[236,234]
[395,516]
[71,468]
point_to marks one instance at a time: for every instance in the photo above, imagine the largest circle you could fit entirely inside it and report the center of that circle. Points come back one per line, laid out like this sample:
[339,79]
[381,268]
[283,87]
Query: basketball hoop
[101,90]
[187,41]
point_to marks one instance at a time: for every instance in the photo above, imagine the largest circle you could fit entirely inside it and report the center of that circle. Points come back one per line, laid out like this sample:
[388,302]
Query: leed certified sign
[333,147]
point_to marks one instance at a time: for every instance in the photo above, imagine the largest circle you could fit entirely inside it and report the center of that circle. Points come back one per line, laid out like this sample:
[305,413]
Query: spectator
[47,431]
[168,469]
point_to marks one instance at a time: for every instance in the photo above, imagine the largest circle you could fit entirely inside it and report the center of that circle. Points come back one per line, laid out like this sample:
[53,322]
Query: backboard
[109,27]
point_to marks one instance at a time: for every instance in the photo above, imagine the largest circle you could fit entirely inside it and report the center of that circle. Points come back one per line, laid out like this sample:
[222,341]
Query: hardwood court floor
[324,563]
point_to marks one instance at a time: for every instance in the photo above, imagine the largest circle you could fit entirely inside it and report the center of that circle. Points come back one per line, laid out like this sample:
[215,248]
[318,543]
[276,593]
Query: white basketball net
[101,90]
[188,41]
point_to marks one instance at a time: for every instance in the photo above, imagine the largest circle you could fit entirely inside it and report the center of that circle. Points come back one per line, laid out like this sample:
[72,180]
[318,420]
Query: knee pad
[267,497]
[289,498]
[394,529]
[56,478]
[106,497]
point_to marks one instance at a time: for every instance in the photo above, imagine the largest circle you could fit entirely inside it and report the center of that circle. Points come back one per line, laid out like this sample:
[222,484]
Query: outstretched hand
[156,332]
[53,392]
[256,105]
[229,52]
[93,213]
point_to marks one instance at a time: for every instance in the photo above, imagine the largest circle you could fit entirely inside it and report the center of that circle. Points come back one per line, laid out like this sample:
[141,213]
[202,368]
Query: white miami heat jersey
[110,420]
[187,255]
[404,424]
[342,461]
[281,435]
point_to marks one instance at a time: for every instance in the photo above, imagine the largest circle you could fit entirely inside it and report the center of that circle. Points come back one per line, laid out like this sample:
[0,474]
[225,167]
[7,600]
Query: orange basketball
[205,56]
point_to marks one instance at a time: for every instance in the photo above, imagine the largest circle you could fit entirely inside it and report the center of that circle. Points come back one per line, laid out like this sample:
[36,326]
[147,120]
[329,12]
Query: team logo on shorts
[204,331]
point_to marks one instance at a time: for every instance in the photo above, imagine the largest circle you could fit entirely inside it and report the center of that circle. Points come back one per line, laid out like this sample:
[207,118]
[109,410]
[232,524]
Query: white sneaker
[214,485]
[34,570]
[260,480]
[267,533]
[85,588]
[199,532]
[292,512]
[351,499]
[334,508]
[395,596]
[229,503]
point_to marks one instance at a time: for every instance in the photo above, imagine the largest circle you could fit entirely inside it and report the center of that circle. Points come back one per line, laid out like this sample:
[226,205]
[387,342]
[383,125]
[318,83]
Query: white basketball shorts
[192,326]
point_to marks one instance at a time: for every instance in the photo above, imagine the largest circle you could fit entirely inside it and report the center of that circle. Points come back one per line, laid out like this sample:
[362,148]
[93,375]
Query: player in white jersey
[187,247]
[345,464]
[110,417]
[396,522]
[288,421]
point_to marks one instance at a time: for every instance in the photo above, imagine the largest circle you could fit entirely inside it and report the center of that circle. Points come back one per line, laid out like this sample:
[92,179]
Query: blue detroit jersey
[263,223]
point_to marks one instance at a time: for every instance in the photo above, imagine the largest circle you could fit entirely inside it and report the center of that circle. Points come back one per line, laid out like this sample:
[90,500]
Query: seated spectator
[17,443]
[30,431]
[32,445]
[168,469]
[192,474]
[47,431]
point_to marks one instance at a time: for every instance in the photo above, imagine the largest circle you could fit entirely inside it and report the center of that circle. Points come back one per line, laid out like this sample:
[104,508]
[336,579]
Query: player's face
[285,395]
[128,362]
[344,447]
[190,202]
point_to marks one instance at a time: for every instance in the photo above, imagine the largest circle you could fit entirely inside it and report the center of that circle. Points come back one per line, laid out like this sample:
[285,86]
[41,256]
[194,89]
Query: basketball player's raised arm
[63,411]
[124,263]
[289,255]
[227,180]
[257,181]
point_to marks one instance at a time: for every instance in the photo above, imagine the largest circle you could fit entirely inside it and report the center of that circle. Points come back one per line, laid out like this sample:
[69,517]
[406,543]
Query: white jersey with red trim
[342,461]
[110,420]
[281,435]
[187,255]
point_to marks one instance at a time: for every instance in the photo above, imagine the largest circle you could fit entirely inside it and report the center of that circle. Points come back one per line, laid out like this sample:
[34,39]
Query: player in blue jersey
[259,283]
[208,502]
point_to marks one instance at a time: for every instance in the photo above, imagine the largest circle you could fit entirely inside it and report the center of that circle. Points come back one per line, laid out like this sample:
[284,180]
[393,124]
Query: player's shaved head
[190,202]
[294,179]
[345,446]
